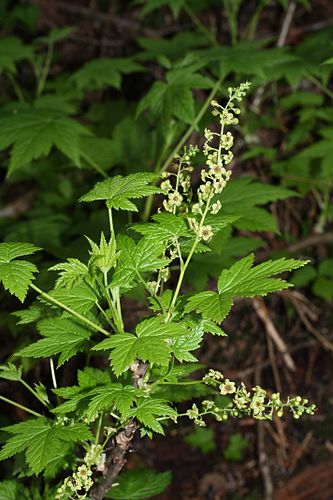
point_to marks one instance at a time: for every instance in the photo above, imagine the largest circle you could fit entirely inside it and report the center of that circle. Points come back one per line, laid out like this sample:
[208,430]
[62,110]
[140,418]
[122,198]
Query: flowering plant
[87,429]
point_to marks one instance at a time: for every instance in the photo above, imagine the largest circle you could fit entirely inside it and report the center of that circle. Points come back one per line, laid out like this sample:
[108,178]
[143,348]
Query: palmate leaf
[32,134]
[104,72]
[42,441]
[137,259]
[16,275]
[242,280]
[81,298]
[62,336]
[112,395]
[149,409]
[118,190]
[167,226]
[139,484]
[150,343]
[90,380]
[71,273]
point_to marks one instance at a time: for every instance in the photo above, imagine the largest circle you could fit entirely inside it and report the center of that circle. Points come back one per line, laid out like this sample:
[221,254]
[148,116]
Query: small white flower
[206,233]
[175,199]
[216,207]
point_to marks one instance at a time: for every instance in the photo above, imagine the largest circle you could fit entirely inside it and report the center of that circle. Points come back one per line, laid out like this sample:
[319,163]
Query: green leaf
[138,259]
[80,297]
[210,304]
[151,343]
[12,50]
[104,72]
[252,193]
[90,381]
[12,490]
[16,275]
[139,484]
[235,447]
[151,5]
[62,336]
[148,410]
[32,134]
[241,280]
[166,227]
[202,439]
[71,273]
[10,372]
[112,395]
[103,256]
[30,315]
[117,191]
[41,440]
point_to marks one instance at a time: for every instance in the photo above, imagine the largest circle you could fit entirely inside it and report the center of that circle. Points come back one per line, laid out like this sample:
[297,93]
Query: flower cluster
[80,482]
[217,150]
[180,191]
[256,403]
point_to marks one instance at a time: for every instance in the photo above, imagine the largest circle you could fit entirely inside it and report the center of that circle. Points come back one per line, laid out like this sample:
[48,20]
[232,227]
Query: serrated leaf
[81,298]
[139,484]
[112,395]
[71,273]
[134,259]
[241,280]
[117,190]
[104,72]
[41,440]
[210,304]
[148,410]
[62,336]
[166,227]
[32,134]
[149,344]
[10,372]
[16,275]
[30,315]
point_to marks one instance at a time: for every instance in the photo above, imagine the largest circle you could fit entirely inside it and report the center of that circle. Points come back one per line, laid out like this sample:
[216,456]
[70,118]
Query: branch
[115,461]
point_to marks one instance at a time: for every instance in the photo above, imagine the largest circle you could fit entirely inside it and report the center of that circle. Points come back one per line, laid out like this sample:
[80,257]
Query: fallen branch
[262,312]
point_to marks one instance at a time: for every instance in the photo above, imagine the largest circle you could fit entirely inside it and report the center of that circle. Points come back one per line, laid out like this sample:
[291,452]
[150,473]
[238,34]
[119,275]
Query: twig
[303,314]
[310,241]
[299,451]
[262,312]
[115,461]
[286,24]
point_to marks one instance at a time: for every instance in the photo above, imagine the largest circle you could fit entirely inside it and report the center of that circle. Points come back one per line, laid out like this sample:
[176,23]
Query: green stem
[181,142]
[45,70]
[93,164]
[189,257]
[30,389]
[201,27]
[68,309]
[18,405]
[111,222]
[99,428]
[321,86]
[53,375]
[16,87]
